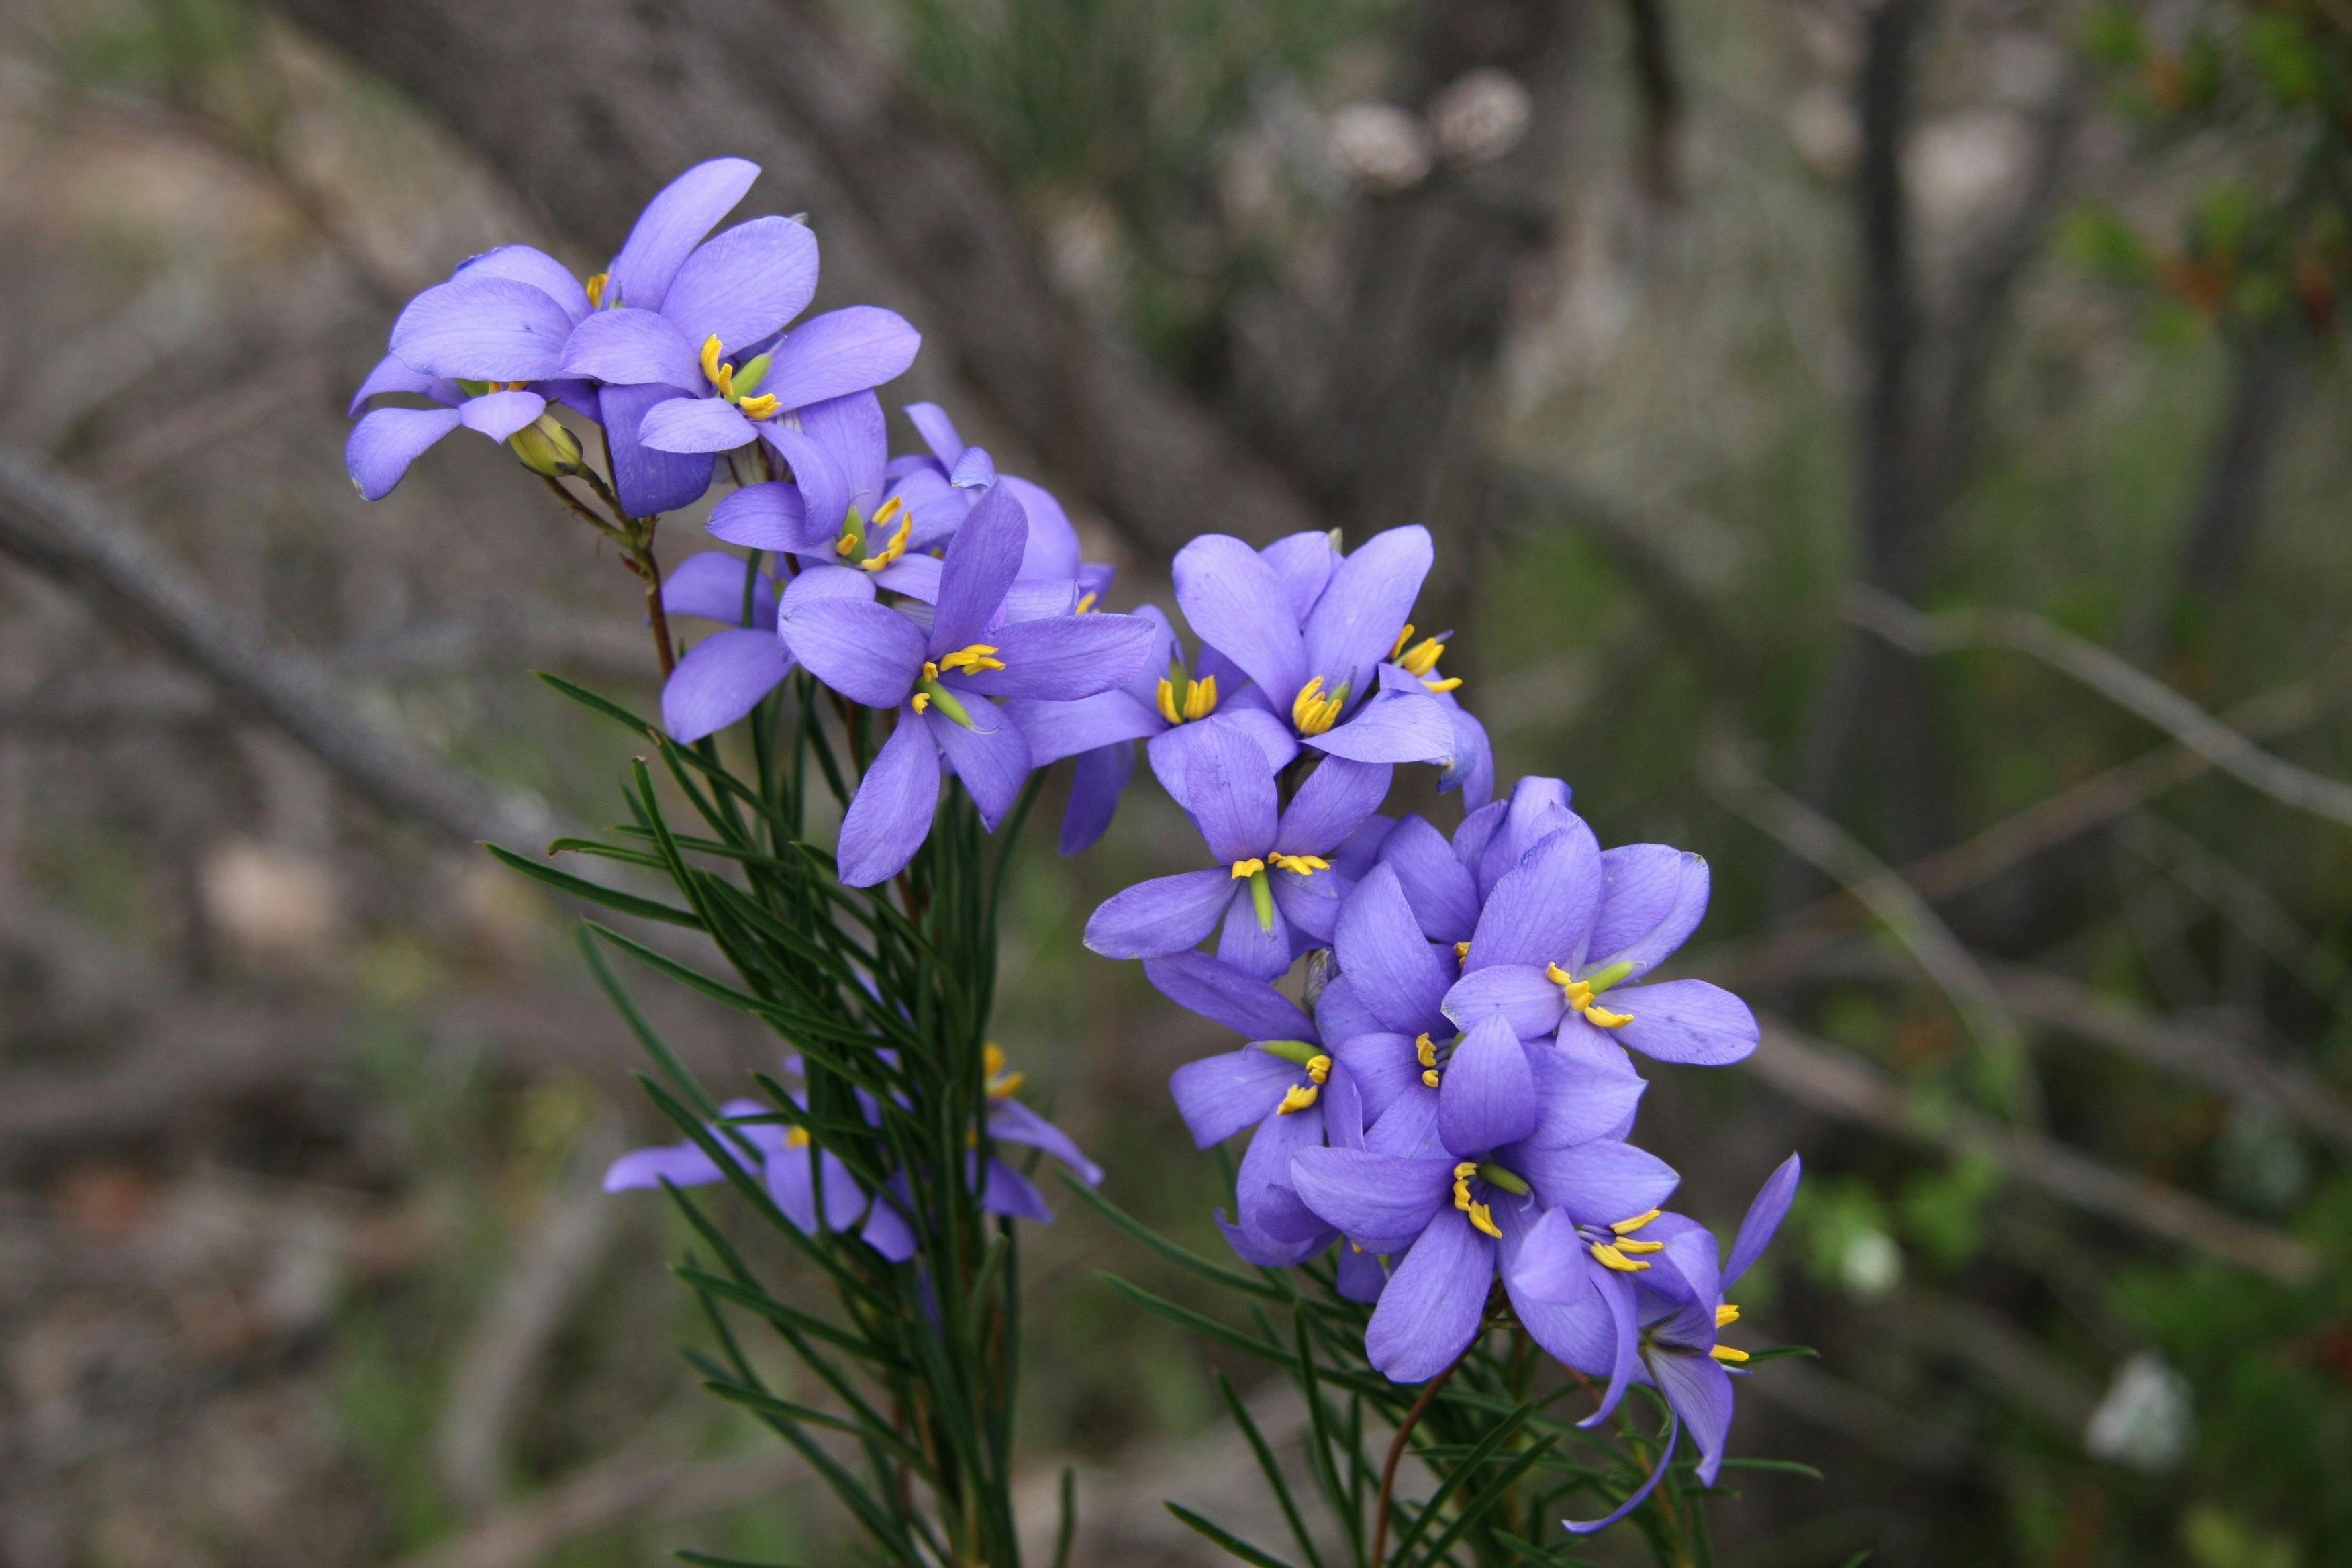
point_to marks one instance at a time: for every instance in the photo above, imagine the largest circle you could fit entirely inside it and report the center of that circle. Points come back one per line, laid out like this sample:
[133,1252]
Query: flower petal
[673,223]
[979,567]
[1641,1493]
[1058,729]
[524,264]
[1097,779]
[1700,1392]
[1656,896]
[680,1164]
[1222,1095]
[1303,563]
[868,653]
[1009,1193]
[500,415]
[719,680]
[1486,1096]
[387,440]
[1392,970]
[631,348]
[1393,727]
[1435,1304]
[938,431]
[1053,548]
[1010,1121]
[1310,902]
[1542,911]
[1440,890]
[891,815]
[483,328]
[762,516]
[1223,995]
[696,424]
[1763,1218]
[393,373]
[840,352]
[1518,993]
[1583,1096]
[1230,792]
[1470,766]
[1685,1021]
[1263,1198]
[855,434]
[1383,1067]
[823,484]
[1236,603]
[1598,1183]
[1164,915]
[1381,1200]
[708,585]
[741,286]
[1331,804]
[989,756]
[1355,622]
[1264,950]
[649,481]
[1065,657]
[1170,751]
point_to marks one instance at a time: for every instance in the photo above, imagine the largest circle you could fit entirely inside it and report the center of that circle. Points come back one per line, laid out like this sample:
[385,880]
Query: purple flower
[1053,549]
[813,1188]
[1282,1088]
[1324,640]
[1448,1218]
[1569,924]
[723,677]
[513,314]
[939,682]
[1273,879]
[1164,703]
[1664,1313]
[386,440]
[1426,1087]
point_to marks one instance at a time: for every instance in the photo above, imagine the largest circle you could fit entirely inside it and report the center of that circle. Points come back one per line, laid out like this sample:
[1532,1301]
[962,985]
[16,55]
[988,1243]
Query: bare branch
[1835,1084]
[57,528]
[2111,676]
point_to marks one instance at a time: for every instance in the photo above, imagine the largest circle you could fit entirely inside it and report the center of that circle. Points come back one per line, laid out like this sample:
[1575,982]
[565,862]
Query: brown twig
[1396,1452]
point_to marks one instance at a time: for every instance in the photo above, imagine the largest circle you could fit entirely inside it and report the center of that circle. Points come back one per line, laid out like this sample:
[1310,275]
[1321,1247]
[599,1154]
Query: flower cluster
[1452,1105]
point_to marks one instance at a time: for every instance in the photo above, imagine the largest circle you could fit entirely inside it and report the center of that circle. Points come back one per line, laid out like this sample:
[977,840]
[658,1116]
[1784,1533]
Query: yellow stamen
[1602,1018]
[976,657]
[1297,1097]
[1312,711]
[930,671]
[1726,1315]
[1461,953]
[1166,698]
[1435,687]
[1639,1247]
[1006,1086]
[1305,865]
[796,1138]
[845,546]
[1481,1215]
[919,701]
[1628,1227]
[1248,868]
[1725,1353]
[1608,1256]
[1429,1079]
[1423,659]
[1425,1050]
[1318,1067]
[895,546]
[764,406]
[718,375]
[1403,638]
[1200,698]
[596,287]
[1001,1085]
[1579,997]
[1483,1218]
[1083,606]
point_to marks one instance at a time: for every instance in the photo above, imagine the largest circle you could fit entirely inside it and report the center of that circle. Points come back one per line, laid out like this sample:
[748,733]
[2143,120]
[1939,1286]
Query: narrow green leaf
[1185,1318]
[1266,1462]
[1183,1255]
[596,893]
[1226,1538]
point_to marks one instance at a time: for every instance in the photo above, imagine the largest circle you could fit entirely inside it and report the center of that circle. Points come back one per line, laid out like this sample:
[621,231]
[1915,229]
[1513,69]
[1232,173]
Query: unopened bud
[545,447]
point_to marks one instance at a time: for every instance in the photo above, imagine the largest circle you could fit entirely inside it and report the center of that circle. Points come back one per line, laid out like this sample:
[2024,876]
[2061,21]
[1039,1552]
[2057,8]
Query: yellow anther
[1201,696]
[596,287]
[930,671]
[1726,1315]
[1628,1227]
[1006,1086]
[1318,1067]
[1435,686]
[1639,1247]
[1429,1079]
[1248,868]
[919,701]
[1480,1214]
[1483,1218]
[1424,657]
[1578,994]
[1000,1084]
[764,406]
[718,375]
[1461,953]
[892,548]
[1312,711]
[975,657]
[1608,1256]
[1083,606]
[1424,1048]
[991,1058]
[796,1138]
[1403,638]
[1305,865]
[1725,1353]
[845,545]
[1166,698]
[1297,1097]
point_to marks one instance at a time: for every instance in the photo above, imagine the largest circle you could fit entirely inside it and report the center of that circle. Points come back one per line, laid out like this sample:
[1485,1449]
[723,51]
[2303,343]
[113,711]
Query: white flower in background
[2144,1419]
[1479,117]
[1871,1264]
[1379,145]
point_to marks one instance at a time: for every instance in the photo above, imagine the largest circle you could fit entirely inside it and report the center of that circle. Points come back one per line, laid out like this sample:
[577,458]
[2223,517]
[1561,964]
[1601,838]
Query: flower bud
[546,447]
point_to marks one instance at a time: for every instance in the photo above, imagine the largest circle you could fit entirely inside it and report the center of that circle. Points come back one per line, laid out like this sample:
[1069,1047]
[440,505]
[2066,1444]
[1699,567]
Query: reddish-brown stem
[1396,1453]
[650,570]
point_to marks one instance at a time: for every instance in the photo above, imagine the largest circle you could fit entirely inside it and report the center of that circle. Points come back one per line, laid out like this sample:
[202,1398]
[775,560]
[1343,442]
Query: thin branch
[1835,1084]
[2111,676]
[1429,1393]
[61,531]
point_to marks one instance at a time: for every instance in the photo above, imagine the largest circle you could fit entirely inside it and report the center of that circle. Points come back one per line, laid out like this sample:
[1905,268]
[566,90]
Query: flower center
[1610,1247]
[596,286]
[1300,1096]
[1579,994]
[796,1138]
[1425,1051]
[1482,1216]
[1304,865]
[1421,658]
[998,1083]
[737,384]
[928,691]
[853,534]
[1314,712]
[1198,699]
[1252,869]
[973,657]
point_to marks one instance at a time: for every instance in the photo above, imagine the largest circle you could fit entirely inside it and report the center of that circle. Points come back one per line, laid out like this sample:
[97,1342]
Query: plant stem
[1396,1453]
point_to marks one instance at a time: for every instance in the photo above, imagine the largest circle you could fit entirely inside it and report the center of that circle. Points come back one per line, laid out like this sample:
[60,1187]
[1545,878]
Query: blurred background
[1893,449]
